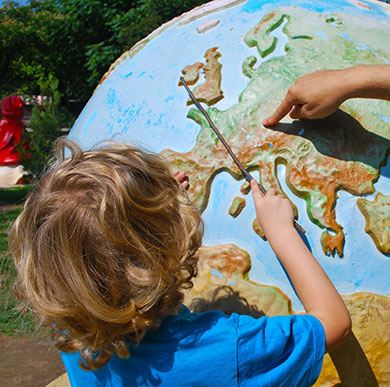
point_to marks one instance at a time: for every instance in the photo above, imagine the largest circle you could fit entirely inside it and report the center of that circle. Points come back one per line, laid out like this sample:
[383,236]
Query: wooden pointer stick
[248,177]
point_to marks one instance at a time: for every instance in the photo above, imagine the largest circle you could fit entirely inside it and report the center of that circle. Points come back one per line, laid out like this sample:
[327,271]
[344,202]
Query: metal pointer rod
[248,177]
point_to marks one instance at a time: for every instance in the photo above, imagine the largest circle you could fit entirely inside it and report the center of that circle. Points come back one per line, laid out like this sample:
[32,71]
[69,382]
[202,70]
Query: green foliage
[12,320]
[26,45]
[90,38]
[46,124]
[14,195]
[7,218]
[74,40]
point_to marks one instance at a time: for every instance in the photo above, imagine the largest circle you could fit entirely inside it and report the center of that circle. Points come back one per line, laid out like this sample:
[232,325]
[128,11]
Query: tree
[45,126]
[26,49]
[74,40]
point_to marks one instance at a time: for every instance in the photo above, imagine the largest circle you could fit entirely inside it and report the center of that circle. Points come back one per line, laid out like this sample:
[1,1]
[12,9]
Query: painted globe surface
[240,58]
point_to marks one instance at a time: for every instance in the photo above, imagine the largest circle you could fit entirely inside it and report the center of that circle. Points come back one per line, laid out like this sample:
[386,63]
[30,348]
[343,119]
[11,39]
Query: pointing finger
[296,112]
[282,110]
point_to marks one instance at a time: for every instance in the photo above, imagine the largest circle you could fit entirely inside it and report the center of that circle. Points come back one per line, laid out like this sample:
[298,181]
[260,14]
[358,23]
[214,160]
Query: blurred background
[53,54]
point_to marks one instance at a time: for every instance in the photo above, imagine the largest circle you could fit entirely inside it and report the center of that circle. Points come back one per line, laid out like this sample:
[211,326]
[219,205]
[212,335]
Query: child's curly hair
[104,246]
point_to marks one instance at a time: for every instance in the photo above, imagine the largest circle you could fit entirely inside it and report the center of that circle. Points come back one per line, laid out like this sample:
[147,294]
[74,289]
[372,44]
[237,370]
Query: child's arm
[319,94]
[315,290]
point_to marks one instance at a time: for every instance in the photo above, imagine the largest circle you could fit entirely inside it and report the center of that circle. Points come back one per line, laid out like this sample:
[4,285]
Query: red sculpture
[11,125]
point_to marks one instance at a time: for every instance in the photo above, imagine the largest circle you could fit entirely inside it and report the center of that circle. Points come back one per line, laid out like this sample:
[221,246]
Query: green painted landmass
[245,188]
[341,152]
[237,206]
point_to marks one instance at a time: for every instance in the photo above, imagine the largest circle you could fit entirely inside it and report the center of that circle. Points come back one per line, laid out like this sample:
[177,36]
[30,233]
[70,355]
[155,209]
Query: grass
[12,321]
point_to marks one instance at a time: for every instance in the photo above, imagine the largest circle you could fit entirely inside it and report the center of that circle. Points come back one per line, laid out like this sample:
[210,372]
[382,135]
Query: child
[104,247]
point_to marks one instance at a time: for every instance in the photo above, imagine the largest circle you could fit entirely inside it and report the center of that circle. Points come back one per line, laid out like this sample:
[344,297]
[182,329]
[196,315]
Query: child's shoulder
[226,350]
[220,327]
[187,323]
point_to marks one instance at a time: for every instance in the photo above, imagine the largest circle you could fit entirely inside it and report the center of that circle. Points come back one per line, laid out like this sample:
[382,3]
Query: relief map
[317,165]
[239,58]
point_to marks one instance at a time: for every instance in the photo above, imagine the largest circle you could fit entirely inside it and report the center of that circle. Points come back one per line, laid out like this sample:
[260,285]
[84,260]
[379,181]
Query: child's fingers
[255,189]
[182,179]
[180,176]
[185,184]
[271,192]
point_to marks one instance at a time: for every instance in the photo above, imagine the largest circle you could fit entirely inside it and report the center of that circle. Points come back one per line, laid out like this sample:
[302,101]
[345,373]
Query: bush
[15,195]
[45,126]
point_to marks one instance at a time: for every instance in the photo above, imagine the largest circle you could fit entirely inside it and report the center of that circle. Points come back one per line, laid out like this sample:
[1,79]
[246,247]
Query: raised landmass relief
[341,152]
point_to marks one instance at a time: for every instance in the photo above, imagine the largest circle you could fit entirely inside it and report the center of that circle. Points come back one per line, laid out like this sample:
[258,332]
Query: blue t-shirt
[213,349]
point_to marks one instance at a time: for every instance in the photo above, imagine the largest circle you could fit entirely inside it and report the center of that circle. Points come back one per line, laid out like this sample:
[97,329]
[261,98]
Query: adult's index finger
[282,110]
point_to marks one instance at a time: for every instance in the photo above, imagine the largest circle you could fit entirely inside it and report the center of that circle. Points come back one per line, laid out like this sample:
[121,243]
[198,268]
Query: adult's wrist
[367,81]
[355,82]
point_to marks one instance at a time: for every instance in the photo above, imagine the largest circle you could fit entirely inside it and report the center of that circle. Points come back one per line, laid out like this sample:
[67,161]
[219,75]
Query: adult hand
[319,94]
[314,95]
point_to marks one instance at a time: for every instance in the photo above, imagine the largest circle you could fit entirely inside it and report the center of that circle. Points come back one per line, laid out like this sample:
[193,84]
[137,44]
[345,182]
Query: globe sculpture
[240,57]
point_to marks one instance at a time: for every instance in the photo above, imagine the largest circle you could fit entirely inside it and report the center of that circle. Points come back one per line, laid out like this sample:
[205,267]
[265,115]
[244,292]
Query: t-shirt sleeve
[79,377]
[279,351]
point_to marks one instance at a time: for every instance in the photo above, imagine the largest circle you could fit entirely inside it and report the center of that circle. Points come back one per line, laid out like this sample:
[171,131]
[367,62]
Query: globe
[240,58]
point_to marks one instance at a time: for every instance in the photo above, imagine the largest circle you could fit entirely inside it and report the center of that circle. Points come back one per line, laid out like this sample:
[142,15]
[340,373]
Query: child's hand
[274,212]
[182,178]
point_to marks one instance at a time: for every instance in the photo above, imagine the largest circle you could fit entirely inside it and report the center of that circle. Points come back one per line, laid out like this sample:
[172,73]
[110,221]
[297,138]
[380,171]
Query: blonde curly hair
[104,246]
